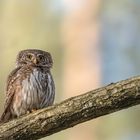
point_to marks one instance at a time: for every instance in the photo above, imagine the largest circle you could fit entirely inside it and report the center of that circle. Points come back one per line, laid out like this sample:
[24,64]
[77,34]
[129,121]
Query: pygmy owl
[30,85]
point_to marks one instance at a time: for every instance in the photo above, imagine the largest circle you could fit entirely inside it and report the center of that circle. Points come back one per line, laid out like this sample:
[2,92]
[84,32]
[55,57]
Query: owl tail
[6,116]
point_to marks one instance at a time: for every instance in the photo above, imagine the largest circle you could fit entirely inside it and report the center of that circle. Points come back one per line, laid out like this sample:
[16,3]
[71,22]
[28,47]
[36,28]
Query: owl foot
[33,110]
[28,112]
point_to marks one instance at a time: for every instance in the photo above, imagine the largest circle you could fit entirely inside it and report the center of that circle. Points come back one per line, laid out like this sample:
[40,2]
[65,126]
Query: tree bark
[73,111]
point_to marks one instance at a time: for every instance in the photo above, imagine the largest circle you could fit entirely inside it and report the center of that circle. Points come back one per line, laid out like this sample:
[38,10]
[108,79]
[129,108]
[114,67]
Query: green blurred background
[93,43]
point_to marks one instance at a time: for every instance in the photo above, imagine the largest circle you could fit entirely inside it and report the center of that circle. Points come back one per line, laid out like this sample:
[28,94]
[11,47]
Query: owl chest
[32,92]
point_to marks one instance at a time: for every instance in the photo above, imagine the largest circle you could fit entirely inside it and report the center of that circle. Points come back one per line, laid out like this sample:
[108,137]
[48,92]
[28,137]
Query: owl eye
[41,57]
[29,56]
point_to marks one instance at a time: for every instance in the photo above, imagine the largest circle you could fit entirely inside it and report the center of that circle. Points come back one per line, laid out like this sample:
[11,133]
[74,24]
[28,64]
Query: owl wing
[10,91]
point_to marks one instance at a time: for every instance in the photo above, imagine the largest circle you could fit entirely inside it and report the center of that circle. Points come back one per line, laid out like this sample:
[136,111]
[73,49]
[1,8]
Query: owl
[30,85]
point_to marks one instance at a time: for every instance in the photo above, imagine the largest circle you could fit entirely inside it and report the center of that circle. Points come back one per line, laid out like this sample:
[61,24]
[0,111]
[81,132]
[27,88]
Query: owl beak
[35,61]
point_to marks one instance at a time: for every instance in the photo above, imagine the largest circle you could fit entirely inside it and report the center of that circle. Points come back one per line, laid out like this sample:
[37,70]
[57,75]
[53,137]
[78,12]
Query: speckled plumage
[30,86]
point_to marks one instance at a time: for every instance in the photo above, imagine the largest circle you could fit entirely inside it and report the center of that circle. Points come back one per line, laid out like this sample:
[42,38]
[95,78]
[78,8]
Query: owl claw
[33,110]
[28,112]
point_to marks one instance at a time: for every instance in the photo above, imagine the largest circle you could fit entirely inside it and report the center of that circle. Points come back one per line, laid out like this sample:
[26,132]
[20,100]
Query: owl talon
[33,110]
[28,112]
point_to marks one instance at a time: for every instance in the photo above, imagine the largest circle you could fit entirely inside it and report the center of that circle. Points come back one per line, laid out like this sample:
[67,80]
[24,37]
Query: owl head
[34,57]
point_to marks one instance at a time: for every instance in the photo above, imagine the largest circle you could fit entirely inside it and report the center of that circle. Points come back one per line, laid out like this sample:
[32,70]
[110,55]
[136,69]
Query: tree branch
[73,111]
